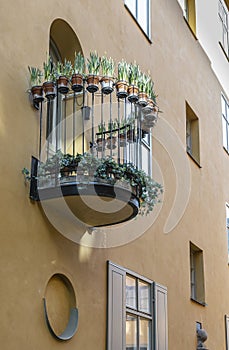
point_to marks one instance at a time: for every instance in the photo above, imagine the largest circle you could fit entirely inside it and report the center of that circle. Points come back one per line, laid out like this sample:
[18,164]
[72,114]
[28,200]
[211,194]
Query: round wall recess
[61,312]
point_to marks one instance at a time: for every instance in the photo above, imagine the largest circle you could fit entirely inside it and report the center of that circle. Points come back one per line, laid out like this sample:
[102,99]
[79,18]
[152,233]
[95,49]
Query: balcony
[95,147]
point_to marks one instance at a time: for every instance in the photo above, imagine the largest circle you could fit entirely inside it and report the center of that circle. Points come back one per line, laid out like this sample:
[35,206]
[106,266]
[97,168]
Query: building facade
[151,282]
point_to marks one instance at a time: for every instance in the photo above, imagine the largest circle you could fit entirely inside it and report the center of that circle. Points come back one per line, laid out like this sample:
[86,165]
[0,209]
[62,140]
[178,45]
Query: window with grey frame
[197,274]
[225,122]
[223,17]
[137,311]
[227,228]
[140,10]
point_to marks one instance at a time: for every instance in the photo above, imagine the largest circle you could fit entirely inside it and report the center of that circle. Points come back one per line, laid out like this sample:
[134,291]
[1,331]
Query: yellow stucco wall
[32,250]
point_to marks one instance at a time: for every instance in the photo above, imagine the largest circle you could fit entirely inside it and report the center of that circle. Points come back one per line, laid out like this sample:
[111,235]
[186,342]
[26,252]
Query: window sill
[190,28]
[142,30]
[227,151]
[226,55]
[194,160]
[202,303]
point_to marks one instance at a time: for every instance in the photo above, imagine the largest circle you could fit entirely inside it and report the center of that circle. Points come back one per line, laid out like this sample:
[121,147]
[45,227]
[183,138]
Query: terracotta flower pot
[49,90]
[37,93]
[77,82]
[92,83]
[106,85]
[101,144]
[152,114]
[122,87]
[111,142]
[122,140]
[62,85]
[149,107]
[133,93]
[142,99]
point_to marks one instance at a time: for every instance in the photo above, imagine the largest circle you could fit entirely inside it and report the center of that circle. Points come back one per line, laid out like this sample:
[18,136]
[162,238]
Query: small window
[223,18]
[225,121]
[190,14]
[140,10]
[227,228]
[227,331]
[192,134]
[197,274]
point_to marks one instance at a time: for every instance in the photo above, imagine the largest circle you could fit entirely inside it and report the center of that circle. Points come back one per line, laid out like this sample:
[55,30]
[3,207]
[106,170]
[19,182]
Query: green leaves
[107,66]
[93,63]
[79,64]
[35,76]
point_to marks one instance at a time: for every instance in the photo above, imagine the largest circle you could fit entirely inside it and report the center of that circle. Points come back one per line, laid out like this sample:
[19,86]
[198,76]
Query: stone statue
[201,338]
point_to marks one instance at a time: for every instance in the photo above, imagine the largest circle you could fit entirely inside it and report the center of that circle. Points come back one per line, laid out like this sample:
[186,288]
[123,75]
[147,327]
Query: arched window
[63,43]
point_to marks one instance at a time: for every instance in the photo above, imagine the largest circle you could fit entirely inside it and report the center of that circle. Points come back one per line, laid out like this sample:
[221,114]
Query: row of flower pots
[130,82]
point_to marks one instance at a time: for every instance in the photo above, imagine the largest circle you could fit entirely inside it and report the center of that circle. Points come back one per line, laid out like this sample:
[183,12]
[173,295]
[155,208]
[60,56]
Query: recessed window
[225,121]
[140,10]
[227,331]
[137,311]
[197,274]
[223,18]
[192,134]
[189,10]
[227,228]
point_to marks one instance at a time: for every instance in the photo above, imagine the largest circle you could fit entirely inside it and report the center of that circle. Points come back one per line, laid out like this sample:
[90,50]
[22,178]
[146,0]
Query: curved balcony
[95,151]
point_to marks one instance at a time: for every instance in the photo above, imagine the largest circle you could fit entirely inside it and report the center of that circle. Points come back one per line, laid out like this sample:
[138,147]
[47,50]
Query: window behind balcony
[140,10]
[223,18]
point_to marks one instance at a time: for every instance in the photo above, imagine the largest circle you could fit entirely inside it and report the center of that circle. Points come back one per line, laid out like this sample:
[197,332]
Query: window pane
[223,106]
[131,332]
[145,334]
[131,299]
[144,297]
[142,14]
[145,159]
[131,4]
[225,133]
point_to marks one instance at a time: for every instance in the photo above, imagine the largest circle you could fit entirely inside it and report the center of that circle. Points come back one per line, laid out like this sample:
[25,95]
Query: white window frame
[223,17]
[135,14]
[227,228]
[225,122]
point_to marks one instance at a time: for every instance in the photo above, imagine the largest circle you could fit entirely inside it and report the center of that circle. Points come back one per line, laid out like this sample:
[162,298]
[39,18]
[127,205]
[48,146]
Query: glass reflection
[144,297]
[131,298]
[145,334]
[131,332]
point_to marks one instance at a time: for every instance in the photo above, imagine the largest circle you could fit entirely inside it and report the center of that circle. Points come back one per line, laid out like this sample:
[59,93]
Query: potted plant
[101,141]
[35,83]
[142,85]
[93,65]
[133,82]
[107,71]
[78,70]
[123,77]
[111,140]
[150,111]
[109,171]
[63,73]
[49,77]
[88,165]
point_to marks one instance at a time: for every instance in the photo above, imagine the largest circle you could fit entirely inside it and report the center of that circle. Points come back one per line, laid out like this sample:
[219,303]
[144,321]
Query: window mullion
[136,14]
